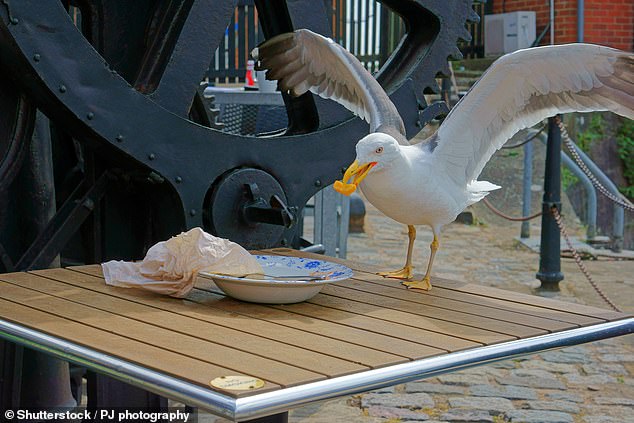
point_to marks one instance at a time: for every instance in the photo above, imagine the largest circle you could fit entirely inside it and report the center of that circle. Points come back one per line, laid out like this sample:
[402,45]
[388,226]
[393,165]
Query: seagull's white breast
[410,192]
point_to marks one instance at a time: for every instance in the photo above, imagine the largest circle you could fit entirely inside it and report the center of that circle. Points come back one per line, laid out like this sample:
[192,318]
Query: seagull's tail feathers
[479,190]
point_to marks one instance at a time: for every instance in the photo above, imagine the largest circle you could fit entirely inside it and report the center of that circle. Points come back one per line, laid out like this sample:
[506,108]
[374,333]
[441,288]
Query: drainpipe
[552,22]
[580,20]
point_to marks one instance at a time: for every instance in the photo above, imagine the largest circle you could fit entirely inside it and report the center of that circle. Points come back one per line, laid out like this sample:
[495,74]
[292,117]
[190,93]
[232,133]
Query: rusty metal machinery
[107,145]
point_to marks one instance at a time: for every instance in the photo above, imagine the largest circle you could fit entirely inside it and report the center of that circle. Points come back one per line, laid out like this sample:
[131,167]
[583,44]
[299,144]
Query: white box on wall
[507,32]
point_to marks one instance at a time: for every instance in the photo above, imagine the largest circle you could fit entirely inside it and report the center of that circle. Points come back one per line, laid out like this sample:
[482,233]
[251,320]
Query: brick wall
[607,22]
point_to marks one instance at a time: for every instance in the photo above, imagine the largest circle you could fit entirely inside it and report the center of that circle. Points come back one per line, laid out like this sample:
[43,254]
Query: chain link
[570,145]
[577,258]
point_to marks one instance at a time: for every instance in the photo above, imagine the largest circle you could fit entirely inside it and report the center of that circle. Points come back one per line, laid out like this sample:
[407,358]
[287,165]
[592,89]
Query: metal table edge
[281,400]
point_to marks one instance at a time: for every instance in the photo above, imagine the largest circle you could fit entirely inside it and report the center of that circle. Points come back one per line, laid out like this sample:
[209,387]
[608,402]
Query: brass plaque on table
[237,383]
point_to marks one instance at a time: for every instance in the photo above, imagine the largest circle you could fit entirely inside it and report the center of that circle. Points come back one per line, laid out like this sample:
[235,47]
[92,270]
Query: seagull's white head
[375,151]
[378,148]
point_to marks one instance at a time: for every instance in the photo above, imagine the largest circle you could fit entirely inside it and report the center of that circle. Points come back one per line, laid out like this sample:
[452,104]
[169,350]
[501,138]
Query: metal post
[618,219]
[591,206]
[525,232]
[45,380]
[549,257]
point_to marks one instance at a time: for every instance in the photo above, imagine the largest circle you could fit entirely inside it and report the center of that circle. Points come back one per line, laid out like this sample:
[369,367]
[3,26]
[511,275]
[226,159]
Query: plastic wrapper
[170,267]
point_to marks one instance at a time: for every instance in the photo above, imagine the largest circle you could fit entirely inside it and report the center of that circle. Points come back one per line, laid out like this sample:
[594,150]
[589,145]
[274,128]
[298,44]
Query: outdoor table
[356,335]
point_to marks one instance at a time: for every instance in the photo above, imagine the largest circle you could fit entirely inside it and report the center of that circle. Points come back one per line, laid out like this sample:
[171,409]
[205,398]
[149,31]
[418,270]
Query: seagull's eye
[379,150]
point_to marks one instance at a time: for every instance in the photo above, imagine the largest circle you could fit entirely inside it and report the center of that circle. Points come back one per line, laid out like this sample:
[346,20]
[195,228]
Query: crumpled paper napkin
[170,267]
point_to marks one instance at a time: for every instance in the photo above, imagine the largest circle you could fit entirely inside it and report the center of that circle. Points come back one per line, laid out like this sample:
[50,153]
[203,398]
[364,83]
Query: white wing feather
[521,89]
[304,61]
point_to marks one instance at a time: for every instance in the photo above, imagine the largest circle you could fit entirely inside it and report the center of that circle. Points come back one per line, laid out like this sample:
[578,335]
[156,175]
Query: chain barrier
[506,216]
[577,258]
[570,146]
[620,201]
[526,141]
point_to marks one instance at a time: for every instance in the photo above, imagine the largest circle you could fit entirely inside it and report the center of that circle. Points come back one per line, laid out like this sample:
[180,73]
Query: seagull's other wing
[521,89]
[304,61]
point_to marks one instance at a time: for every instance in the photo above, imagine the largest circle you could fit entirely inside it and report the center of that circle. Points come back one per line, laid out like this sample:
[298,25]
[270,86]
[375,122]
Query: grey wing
[304,61]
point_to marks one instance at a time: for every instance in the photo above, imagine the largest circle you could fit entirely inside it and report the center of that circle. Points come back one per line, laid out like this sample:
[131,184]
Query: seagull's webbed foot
[424,284]
[405,273]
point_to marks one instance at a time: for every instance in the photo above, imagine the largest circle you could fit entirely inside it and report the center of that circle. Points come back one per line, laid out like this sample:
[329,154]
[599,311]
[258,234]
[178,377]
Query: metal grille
[251,119]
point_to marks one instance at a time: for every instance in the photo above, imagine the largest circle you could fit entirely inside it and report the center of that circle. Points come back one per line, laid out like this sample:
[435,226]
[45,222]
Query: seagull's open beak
[359,173]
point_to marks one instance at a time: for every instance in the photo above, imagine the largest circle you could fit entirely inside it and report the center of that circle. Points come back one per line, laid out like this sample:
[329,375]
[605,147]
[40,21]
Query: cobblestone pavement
[592,383]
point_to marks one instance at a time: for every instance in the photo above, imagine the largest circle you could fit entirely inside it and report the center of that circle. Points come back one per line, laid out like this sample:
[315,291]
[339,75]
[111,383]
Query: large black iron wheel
[125,88]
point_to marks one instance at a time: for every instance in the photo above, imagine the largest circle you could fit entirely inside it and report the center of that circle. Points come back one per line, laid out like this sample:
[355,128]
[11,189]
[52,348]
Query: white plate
[286,280]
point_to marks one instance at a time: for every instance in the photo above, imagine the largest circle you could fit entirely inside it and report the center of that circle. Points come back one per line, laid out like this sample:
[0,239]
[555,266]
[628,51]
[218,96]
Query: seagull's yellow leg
[407,271]
[425,284]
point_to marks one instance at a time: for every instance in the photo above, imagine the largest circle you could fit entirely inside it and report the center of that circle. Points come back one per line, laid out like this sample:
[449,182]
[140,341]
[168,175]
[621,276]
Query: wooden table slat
[456,311]
[334,329]
[170,363]
[450,318]
[216,354]
[547,303]
[434,333]
[520,310]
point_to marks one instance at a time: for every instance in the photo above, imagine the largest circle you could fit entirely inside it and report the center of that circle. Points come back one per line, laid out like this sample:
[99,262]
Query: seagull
[431,182]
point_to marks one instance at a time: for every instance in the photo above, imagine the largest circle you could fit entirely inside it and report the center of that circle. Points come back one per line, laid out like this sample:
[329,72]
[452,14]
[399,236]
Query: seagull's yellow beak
[359,173]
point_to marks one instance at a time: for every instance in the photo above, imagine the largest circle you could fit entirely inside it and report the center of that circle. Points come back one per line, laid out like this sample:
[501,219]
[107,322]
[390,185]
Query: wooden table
[360,334]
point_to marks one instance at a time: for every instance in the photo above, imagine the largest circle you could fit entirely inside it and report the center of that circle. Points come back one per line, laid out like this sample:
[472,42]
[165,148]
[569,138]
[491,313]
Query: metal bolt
[192,212]
[15,21]
[151,156]
[178,179]
[37,57]
[119,138]
[284,242]
[90,115]
[343,170]
[317,182]
[62,88]
[418,124]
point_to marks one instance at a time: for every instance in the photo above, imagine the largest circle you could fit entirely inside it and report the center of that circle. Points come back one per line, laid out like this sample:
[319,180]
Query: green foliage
[568,178]
[625,146]
[594,133]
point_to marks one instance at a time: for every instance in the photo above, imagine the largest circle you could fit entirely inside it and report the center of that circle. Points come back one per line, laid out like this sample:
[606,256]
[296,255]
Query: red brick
[609,22]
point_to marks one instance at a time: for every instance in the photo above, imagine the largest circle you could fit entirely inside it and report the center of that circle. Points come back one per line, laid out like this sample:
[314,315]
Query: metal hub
[248,206]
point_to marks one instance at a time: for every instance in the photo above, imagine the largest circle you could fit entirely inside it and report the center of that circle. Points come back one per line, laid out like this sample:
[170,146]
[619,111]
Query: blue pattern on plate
[332,271]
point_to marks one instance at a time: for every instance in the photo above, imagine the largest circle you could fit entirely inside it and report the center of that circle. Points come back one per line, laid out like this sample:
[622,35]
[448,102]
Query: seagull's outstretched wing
[303,61]
[521,89]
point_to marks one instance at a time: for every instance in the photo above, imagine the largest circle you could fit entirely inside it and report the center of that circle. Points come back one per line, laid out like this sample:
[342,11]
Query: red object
[249,78]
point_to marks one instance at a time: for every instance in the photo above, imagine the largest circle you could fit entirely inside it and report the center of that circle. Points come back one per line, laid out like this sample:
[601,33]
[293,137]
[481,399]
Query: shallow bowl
[286,280]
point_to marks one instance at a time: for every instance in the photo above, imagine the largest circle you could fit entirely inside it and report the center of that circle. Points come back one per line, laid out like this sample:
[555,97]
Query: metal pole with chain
[577,258]
[554,209]
[549,252]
